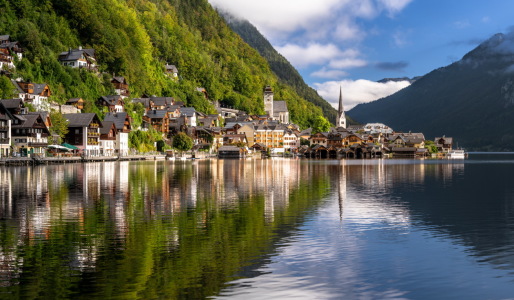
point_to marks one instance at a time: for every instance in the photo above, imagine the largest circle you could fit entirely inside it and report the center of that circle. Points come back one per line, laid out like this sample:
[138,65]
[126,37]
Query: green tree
[59,125]
[6,88]
[182,142]
[320,124]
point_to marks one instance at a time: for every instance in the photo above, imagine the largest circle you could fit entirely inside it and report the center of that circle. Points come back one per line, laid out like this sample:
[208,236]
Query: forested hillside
[471,100]
[279,64]
[135,39]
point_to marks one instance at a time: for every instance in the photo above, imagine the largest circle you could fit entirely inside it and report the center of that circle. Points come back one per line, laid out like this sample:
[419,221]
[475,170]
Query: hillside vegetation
[135,39]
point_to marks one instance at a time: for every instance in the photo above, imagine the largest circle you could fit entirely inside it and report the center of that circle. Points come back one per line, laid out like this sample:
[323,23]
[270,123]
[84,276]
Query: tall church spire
[341,118]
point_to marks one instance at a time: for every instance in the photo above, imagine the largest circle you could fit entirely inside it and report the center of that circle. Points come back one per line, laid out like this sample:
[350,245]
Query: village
[26,127]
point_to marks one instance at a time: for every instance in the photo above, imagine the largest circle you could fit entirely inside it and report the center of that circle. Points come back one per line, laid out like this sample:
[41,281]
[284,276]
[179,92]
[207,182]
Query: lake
[259,229]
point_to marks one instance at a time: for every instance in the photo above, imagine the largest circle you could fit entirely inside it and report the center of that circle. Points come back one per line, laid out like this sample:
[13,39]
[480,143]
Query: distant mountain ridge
[410,80]
[278,63]
[471,100]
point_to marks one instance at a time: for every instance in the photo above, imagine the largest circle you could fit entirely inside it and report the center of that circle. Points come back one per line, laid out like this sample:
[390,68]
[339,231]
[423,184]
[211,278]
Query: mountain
[471,100]
[278,63]
[136,39]
[410,80]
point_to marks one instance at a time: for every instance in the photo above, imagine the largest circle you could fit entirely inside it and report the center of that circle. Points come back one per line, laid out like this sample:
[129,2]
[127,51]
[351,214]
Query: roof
[79,120]
[161,101]
[39,88]
[171,68]
[28,121]
[12,103]
[75,54]
[5,37]
[187,111]
[119,79]
[279,106]
[106,127]
[156,113]
[112,99]
[74,100]
[117,118]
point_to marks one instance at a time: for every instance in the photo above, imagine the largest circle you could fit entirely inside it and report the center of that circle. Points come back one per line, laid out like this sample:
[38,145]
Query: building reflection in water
[36,201]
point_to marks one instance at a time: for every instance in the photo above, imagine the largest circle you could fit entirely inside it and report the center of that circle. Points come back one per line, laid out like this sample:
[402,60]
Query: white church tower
[268,101]
[341,118]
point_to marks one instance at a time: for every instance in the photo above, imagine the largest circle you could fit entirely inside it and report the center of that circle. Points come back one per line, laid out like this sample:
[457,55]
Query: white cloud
[394,6]
[318,54]
[357,91]
[329,74]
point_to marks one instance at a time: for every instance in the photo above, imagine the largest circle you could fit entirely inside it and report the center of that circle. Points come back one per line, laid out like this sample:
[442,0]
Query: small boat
[457,154]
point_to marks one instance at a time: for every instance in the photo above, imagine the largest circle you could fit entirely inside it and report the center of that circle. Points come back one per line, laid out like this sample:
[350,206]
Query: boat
[457,154]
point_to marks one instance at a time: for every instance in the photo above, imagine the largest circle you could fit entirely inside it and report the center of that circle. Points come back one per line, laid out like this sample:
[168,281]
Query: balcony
[4,140]
[37,145]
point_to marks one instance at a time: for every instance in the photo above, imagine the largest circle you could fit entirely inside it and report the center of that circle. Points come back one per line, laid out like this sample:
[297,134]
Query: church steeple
[341,118]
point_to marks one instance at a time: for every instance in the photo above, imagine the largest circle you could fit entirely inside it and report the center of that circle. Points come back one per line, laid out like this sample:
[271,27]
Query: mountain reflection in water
[259,229]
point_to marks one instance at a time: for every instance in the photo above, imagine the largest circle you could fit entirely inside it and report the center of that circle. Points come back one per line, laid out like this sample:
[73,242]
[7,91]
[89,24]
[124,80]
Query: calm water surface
[259,229]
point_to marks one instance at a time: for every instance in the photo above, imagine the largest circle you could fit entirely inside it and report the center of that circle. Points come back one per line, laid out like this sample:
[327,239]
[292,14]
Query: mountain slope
[135,39]
[471,100]
[279,64]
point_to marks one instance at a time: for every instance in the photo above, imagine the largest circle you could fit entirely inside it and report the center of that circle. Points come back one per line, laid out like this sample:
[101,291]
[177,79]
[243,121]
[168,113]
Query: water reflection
[274,228]
[99,227]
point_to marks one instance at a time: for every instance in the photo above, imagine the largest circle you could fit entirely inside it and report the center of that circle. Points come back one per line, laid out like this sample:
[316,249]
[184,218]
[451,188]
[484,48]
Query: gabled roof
[79,120]
[27,121]
[187,111]
[171,68]
[74,100]
[156,114]
[117,118]
[12,103]
[112,99]
[161,101]
[106,127]
[75,54]
[279,106]
[5,37]
[119,79]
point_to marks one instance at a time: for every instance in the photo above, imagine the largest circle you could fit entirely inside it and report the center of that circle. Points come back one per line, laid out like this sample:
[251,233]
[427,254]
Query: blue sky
[353,43]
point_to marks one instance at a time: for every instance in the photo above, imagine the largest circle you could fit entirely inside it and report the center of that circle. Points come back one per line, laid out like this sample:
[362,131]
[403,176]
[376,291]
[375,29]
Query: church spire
[341,118]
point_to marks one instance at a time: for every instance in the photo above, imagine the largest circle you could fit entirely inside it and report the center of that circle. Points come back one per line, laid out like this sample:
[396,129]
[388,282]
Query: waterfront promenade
[17,161]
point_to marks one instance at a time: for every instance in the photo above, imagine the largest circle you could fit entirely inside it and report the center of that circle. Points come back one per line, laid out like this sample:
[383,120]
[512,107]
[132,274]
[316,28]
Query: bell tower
[268,101]
[341,118]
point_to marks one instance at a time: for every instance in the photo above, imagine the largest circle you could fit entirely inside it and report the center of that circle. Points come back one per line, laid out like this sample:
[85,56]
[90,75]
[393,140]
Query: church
[277,110]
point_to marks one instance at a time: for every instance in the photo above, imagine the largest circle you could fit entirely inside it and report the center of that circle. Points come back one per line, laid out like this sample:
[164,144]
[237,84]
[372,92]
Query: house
[203,91]
[120,86]
[320,138]
[373,128]
[29,134]
[14,106]
[161,102]
[291,140]
[8,51]
[190,114]
[79,58]
[156,119]
[5,130]
[123,125]
[35,94]
[108,135]
[113,103]
[171,71]
[272,136]
[77,102]
[444,144]
[84,132]
[233,139]
[230,152]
